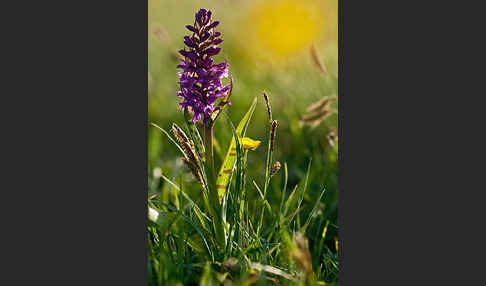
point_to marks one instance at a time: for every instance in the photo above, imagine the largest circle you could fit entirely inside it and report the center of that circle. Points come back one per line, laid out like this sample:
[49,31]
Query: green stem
[215,208]
[208,148]
[267,178]
[242,204]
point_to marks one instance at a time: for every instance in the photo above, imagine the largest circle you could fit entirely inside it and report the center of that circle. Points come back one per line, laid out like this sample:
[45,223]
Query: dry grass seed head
[276,166]
[316,60]
[267,103]
[272,136]
[332,137]
[190,156]
[194,170]
[317,112]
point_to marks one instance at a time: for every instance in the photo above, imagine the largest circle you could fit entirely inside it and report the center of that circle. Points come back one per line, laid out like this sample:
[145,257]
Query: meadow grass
[278,229]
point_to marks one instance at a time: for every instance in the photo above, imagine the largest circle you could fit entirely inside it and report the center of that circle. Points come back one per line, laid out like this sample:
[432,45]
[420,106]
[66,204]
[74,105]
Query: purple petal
[206,18]
[207,63]
[183,53]
[187,54]
[188,42]
[191,28]
[212,51]
[205,36]
[200,16]
[214,24]
[196,118]
[217,41]
[219,66]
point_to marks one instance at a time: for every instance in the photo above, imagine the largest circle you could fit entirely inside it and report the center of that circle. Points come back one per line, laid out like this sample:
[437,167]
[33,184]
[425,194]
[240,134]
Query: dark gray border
[77,174]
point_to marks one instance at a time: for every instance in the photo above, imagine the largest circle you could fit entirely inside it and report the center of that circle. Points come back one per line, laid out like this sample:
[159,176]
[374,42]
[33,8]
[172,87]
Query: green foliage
[182,244]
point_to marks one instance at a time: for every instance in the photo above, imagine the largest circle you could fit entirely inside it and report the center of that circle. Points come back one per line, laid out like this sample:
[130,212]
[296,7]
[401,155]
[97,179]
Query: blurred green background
[268,46]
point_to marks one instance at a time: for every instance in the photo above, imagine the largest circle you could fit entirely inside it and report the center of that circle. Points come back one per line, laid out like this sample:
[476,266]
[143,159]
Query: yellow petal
[249,144]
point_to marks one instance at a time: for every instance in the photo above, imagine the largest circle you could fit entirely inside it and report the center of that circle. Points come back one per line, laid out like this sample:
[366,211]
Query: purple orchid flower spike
[200,80]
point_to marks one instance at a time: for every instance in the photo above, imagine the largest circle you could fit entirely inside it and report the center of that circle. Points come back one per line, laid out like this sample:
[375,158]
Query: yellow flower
[249,144]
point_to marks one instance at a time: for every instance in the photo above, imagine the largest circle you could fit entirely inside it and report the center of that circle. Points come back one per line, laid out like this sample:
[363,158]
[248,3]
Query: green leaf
[289,201]
[313,212]
[229,161]
[196,243]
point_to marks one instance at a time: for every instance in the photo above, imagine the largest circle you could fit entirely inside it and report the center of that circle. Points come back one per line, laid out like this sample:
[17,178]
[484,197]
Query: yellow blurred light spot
[249,144]
[281,28]
[286,28]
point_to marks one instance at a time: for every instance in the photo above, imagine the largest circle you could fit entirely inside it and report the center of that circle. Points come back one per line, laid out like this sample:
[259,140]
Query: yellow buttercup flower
[249,144]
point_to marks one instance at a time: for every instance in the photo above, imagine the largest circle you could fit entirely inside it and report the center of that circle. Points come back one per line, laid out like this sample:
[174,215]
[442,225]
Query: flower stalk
[200,87]
[214,205]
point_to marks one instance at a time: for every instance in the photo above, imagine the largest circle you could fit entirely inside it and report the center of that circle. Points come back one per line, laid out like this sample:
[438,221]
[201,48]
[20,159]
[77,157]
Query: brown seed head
[276,166]
[190,155]
[272,134]
[332,137]
[194,169]
[267,103]
[317,61]
[317,112]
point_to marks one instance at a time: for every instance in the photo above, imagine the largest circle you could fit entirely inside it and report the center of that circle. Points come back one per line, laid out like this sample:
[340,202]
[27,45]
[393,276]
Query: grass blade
[168,135]
[289,200]
[314,210]
[262,197]
[303,191]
